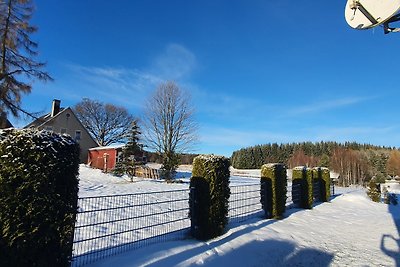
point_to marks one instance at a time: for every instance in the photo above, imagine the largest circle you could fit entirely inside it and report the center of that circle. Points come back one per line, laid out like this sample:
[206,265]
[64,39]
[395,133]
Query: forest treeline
[355,163]
[185,158]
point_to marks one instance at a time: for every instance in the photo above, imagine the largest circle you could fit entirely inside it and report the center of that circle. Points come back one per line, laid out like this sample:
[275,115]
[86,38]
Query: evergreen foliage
[199,202]
[373,191]
[38,197]
[324,177]
[169,165]
[211,173]
[355,163]
[273,189]
[130,154]
[304,176]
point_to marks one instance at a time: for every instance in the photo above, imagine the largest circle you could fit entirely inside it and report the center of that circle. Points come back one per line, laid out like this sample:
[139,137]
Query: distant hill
[356,163]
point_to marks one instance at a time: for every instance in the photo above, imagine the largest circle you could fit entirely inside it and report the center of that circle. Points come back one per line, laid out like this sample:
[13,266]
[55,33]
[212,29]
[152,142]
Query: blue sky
[258,71]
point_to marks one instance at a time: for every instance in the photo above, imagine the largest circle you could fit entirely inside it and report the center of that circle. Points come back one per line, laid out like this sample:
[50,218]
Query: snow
[351,230]
[115,146]
[94,182]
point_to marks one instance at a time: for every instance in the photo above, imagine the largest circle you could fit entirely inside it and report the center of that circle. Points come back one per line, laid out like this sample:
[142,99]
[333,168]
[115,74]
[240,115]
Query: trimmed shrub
[373,191]
[209,200]
[199,202]
[38,197]
[304,176]
[324,177]
[273,189]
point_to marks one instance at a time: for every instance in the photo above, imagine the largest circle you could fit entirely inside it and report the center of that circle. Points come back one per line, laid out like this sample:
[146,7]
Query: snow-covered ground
[94,182]
[351,230]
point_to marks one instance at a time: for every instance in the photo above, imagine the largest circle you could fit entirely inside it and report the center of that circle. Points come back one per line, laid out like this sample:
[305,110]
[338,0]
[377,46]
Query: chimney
[55,107]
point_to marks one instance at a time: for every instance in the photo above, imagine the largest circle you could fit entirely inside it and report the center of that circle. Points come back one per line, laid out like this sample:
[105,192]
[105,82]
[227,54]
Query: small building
[104,157]
[64,121]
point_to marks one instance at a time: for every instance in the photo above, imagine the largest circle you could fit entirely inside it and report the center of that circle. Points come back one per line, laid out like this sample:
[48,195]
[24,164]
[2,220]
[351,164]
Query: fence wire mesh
[109,225]
[244,202]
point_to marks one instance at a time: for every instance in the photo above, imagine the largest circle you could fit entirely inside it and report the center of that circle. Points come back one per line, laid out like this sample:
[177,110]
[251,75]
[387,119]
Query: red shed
[104,157]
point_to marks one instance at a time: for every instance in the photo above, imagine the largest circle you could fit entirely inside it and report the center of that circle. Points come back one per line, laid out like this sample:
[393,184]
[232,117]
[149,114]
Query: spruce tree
[373,192]
[132,149]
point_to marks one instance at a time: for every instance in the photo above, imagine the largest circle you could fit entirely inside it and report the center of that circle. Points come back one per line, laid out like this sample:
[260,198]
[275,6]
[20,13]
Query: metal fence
[108,225]
[244,202]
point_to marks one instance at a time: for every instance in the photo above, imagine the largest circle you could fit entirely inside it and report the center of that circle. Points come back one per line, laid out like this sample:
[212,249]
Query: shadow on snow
[390,239]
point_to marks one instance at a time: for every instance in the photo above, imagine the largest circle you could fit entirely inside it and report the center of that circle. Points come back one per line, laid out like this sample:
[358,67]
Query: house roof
[44,119]
[115,146]
[48,118]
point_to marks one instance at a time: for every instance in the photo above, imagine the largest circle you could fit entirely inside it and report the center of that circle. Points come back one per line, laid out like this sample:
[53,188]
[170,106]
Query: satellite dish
[366,14]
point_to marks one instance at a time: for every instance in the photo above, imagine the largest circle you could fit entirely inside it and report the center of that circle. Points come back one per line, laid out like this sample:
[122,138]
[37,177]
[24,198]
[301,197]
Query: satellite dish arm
[387,28]
[356,5]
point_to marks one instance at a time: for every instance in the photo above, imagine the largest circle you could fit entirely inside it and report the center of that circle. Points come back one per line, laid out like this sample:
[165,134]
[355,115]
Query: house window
[63,131]
[77,135]
[48,128]
[119,156]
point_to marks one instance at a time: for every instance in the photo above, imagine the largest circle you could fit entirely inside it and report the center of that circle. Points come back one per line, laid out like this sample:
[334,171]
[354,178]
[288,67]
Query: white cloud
[131,86]
[316,107]
[174,63]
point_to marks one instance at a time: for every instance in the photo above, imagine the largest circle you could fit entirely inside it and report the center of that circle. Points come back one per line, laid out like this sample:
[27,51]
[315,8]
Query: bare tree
[393,163]
[107,123]
[17,51]
[169,126]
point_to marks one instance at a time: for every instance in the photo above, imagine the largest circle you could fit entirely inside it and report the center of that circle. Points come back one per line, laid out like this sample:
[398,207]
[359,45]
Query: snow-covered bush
[304,176]
[324,178]
[209,200]
[38,197]
[273,183]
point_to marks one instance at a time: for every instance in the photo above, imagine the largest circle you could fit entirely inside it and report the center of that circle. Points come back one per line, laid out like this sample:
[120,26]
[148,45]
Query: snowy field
[94,182]
[351,230]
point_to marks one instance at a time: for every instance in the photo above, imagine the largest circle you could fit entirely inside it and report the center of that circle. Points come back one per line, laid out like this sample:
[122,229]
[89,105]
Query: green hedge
[273,183]
[38,197]
[324,177]
[304,176]
[209,200]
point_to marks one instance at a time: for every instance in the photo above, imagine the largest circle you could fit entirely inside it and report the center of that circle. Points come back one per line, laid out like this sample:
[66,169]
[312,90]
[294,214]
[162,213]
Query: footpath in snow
[351,230]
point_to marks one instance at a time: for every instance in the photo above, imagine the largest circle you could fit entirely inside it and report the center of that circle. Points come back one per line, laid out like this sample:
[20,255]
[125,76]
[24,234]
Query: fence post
[304,176]
[210,177]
